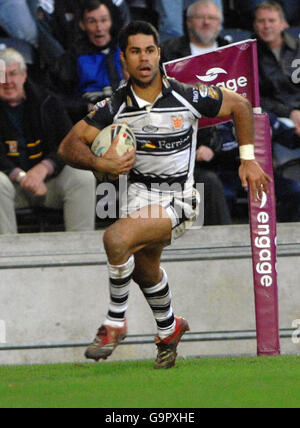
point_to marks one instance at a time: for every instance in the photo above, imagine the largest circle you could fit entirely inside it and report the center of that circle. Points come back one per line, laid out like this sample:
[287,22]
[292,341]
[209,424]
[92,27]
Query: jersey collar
[131,100]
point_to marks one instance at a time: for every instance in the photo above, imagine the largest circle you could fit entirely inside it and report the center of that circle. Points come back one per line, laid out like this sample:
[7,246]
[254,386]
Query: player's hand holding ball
[117,164]
[116,144]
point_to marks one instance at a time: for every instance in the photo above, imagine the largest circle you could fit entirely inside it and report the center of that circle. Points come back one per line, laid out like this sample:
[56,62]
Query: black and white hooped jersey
[166,131]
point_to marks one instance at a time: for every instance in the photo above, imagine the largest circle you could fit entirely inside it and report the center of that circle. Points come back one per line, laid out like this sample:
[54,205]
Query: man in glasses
[204,23]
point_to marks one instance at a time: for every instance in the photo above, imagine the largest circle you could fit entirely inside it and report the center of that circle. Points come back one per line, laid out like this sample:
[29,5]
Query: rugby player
[163,114]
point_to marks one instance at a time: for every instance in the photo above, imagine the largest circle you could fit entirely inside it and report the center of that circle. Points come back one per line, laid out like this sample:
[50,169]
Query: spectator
[17,21]
[63,18]
[90,70]
[49,47]
[242,12]
[204,25]
[204,20]
[30,20]
[32,125]
[171,17]
[278,52]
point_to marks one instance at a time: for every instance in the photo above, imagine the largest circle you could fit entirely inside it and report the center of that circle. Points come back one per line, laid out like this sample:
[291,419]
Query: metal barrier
[148,339]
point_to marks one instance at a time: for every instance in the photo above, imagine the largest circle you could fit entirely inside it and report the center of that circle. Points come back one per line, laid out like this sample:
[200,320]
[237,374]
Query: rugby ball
[103,141]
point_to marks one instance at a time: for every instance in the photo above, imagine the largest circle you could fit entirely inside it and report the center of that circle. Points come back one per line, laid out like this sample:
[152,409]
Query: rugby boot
[167,348]
[107,339]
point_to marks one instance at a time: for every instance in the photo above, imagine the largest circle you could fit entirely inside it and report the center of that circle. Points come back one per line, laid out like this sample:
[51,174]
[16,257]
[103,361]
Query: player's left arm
[75,151]
[250,171]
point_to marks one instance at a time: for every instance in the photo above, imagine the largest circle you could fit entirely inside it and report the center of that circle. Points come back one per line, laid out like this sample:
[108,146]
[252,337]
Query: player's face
[97,24]
[269,25]
[205,24]
[141,59]
[12,91]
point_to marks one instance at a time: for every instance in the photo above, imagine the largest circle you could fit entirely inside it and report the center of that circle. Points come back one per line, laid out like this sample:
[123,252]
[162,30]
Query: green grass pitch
[244,382]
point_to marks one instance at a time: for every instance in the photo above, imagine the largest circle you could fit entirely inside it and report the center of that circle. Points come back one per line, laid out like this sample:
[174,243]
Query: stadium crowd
[62,57]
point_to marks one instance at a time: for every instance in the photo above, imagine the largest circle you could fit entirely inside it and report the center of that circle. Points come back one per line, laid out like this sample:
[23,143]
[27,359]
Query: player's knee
[116,244]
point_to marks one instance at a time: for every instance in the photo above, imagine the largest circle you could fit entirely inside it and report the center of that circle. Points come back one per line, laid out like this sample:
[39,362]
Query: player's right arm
[75,151]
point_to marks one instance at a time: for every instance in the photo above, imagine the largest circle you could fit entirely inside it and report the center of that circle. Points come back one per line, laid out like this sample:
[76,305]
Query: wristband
[247,152]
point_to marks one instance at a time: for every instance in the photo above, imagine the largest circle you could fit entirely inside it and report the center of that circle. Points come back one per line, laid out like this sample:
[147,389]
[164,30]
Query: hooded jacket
[86,74]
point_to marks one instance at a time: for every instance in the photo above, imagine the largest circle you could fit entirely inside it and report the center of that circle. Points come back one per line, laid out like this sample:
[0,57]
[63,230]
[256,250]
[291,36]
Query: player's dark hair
[134,28]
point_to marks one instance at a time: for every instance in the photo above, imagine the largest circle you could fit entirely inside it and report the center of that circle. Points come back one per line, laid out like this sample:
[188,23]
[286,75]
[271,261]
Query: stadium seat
[235,35]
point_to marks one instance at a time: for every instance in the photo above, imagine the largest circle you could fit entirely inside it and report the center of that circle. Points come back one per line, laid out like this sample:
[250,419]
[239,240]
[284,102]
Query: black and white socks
[158,297]
[119,284]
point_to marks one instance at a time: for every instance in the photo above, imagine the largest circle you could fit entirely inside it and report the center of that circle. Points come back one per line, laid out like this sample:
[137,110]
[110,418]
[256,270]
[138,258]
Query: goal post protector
[263,227]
